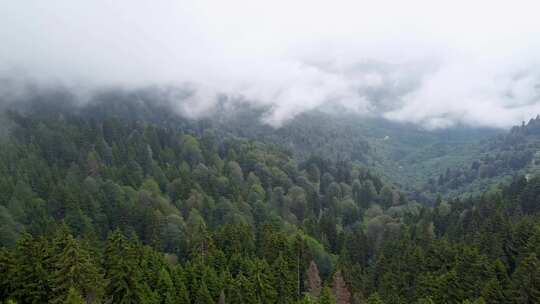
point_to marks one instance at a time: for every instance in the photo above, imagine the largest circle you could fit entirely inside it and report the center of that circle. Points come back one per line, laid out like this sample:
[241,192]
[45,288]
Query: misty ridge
[360,64]
[386,101]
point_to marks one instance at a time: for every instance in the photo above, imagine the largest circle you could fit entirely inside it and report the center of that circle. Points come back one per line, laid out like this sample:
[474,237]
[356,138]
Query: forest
[101,206]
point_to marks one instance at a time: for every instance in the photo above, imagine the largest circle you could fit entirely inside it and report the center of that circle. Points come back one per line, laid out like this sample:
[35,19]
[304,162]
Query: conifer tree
[327,297]
[74,269]
[260,276]
[374,298]
[165,288]
[182,293]
[73,297]
[123,274]
[284,281]
[7,267]
[203,295]
[31,277]
[247,290]
[526,280]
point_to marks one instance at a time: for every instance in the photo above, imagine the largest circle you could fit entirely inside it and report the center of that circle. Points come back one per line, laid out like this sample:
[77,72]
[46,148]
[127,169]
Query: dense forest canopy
[272,152]
[125,202]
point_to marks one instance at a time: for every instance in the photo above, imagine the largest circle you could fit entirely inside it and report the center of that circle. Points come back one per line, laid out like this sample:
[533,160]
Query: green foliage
[74,269]
[327,297]
[111,210]
[374,298]
[526,280]
[73,297]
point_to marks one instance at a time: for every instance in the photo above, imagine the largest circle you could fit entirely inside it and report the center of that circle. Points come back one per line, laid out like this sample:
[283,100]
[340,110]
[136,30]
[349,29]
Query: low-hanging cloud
[435,64]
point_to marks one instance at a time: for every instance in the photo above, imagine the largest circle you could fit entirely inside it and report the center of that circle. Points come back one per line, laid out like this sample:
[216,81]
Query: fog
[436,64]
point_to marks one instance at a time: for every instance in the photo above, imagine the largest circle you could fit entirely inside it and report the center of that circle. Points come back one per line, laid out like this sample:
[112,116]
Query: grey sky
[430,62]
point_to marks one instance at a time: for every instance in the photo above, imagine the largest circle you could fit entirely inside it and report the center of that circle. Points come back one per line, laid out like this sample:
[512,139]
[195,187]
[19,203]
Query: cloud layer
[462,62]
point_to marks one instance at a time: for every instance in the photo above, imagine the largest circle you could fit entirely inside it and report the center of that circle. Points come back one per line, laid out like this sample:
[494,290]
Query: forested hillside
[498,159]
[98,208]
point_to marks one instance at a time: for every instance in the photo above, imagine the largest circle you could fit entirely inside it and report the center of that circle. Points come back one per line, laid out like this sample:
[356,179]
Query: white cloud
[429,62]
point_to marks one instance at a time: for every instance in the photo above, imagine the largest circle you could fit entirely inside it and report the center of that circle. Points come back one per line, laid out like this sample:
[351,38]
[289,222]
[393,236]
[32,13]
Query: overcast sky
[435,63]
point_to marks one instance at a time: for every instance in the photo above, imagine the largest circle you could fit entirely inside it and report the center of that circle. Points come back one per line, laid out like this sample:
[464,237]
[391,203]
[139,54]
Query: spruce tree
[203,295]
[284,281]
[182,293]
[73,297]
[260,276]
[165,288]
[74,269]
[123,273]
[32,275]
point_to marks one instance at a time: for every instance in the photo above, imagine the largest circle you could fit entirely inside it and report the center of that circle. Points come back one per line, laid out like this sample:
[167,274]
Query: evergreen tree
[284,281]
[123,274]
[203,295]
[165,288]
[182,293]
[526,281]
[31,276]
[74,269]
[374,298]
[73,297]
[327,297]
